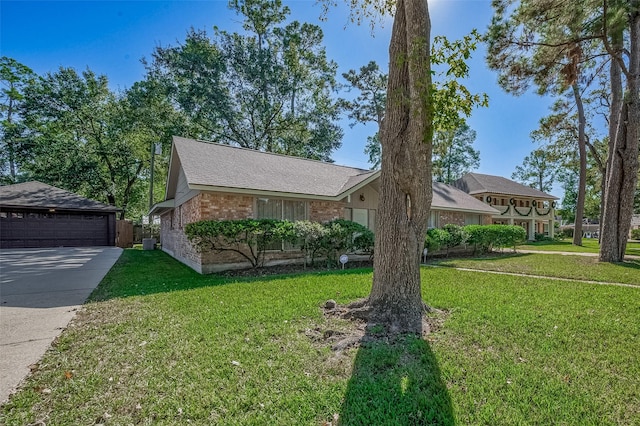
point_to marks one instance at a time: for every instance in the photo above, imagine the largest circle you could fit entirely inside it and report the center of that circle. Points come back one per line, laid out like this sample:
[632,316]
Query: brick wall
[447,217]
[202,206]
[487,219]
[324,211]
[225,206]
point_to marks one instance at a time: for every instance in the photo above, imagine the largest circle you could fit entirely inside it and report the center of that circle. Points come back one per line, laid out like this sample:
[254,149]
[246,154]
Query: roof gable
[36,194]
[223,167]
[477,183]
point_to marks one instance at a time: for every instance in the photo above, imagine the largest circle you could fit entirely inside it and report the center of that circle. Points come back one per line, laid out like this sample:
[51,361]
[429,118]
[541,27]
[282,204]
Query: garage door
[23,229]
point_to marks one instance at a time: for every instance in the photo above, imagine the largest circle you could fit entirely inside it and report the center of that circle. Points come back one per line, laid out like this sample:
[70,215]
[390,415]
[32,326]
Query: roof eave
[360,185]
[265,193]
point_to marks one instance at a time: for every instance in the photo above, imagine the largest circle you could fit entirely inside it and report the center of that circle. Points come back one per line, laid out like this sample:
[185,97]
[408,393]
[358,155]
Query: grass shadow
[396,383]
[139,272]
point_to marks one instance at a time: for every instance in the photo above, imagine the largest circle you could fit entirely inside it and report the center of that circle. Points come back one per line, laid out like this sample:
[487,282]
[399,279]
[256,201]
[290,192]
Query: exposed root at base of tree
[362,330]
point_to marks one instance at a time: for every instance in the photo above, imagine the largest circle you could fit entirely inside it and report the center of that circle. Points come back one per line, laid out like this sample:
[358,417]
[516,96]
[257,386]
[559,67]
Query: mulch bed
[292,269]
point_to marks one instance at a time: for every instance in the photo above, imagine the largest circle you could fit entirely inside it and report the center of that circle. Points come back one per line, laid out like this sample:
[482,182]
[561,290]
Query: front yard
[160,344]
[588,246]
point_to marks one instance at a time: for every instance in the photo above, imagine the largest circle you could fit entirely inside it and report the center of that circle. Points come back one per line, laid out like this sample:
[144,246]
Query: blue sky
[110,37]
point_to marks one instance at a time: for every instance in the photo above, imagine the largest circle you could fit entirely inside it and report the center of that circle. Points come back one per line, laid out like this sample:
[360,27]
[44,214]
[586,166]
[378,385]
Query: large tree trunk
[582,181]
[622,171]
[406,192]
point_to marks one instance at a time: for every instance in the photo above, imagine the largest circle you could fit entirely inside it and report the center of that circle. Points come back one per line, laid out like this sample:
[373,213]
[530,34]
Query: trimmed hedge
[483,238]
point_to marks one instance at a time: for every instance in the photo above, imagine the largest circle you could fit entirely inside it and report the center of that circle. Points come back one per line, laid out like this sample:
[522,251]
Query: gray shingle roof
[224,166]
[477,183]
[446,197]
[36,194]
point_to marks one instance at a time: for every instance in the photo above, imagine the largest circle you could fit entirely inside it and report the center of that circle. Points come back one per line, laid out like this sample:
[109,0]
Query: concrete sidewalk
[573,253]
[40,291]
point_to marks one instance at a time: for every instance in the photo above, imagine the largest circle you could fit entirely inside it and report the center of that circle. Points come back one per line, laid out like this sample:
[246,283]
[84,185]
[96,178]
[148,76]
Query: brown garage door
[23,228]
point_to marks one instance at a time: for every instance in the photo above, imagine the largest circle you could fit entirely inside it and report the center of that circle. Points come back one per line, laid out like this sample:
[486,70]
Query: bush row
[252,238]
[483,238]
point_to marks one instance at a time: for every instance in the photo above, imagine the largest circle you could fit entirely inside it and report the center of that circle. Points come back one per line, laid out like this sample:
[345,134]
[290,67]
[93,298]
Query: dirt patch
[346,326]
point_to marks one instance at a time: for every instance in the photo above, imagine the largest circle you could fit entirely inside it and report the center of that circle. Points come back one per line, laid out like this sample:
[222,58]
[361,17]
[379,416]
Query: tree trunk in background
[582,181]
[406,190]
[622,171]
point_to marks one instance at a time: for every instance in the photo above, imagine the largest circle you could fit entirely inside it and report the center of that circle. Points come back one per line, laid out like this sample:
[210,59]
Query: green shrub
[457,236]
[250,238]
[485,237]
[436,238]
[635,234]
[345,236]
[311,238]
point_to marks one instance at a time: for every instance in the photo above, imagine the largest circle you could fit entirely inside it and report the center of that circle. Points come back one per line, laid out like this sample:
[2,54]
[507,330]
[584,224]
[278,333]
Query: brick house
[516,204]
[213,181]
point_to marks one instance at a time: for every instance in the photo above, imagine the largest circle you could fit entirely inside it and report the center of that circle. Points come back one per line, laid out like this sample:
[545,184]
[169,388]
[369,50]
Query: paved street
[40,291]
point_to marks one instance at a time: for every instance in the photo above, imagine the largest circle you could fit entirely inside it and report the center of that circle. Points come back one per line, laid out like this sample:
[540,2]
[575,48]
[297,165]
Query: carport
[35,215]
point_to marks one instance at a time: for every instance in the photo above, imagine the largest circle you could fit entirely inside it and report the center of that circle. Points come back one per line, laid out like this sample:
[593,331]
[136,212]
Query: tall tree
[406,137]
[538,170]
[268,88]
[540,41]
[405,189]
[79,138]
[531,45]
[368,106]
[453,154]
[14,77]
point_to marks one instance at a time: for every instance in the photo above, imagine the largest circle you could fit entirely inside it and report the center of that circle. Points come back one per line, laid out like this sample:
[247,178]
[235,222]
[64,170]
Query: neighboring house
[213,181]
[34,214]
[517,204]
[635,223]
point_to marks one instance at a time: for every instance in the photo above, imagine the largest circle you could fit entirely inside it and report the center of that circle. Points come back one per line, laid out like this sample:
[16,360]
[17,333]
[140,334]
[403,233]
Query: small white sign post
[344,259]
[424,255]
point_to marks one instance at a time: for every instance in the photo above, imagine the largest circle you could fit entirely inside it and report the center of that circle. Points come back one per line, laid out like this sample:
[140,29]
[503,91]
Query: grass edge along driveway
[160,344]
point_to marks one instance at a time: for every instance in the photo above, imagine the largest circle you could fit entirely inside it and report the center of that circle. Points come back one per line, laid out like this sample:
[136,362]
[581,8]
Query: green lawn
[162,345]
[554,265]
[588,246]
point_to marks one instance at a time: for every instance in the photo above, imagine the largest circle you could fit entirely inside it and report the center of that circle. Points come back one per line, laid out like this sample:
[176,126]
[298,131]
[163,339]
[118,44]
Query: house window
[372,220]
[361,216]
[281,209]
[268,208]
[433,219]
[472,219]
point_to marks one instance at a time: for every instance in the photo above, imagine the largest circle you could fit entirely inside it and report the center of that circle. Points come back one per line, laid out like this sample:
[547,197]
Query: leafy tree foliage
[554,44]
[368,106]
[87,139]
[453,154]
[538,170]
[14,78]
[268,89]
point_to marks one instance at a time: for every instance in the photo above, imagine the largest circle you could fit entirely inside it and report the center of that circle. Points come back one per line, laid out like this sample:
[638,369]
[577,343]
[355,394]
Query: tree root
[367,329]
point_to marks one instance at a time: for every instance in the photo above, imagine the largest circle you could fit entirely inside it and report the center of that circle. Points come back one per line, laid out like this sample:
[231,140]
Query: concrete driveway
[40,291]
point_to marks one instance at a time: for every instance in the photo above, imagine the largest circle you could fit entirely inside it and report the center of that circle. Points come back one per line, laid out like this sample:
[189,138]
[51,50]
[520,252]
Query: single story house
[34,214]
[516,204]
[214,181]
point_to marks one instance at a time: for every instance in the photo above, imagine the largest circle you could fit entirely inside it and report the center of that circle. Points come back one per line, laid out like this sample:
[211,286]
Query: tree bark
[582,180]
[622,171]
[406,185]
